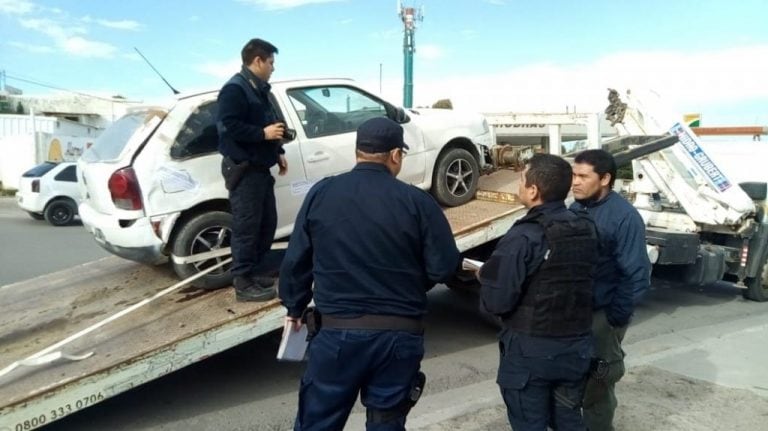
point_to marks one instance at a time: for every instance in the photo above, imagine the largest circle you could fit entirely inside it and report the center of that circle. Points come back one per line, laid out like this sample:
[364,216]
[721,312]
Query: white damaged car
[152,185]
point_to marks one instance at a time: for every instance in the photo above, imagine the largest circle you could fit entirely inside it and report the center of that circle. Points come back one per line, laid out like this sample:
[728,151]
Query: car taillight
[124,189]
[35,186]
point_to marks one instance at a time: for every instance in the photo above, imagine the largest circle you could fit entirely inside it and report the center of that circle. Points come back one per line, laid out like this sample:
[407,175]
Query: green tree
[19,108]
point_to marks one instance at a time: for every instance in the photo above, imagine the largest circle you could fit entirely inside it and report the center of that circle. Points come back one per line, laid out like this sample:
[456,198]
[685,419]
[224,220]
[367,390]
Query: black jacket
[370,243]
[244,109]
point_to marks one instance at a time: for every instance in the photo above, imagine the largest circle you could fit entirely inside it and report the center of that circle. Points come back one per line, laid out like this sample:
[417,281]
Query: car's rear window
[39,170]
[112,141]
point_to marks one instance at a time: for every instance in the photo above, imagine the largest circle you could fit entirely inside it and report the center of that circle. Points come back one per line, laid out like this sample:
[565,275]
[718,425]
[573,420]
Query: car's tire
[36,216]
[757,287]
[60,212]
[454,181]
[205,232]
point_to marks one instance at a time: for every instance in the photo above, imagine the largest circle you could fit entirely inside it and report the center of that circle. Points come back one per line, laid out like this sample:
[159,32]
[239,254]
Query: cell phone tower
[409,16]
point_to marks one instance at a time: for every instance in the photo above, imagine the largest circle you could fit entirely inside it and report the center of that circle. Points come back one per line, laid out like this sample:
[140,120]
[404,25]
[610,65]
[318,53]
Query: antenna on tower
[409,16]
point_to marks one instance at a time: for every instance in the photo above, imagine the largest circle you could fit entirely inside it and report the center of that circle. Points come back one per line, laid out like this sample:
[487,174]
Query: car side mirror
[401,116]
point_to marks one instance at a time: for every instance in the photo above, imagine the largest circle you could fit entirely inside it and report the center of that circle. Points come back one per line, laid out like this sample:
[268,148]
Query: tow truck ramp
[167,334]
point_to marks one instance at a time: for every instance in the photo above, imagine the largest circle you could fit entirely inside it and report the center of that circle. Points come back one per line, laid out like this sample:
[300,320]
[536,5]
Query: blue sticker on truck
[716,177]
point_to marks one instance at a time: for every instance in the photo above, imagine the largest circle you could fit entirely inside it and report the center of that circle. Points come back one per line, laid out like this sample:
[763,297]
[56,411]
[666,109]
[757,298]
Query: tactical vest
[557,298]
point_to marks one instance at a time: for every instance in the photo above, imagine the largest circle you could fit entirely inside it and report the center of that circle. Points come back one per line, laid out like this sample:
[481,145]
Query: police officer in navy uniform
[249,139]
[373,246]
[539,282]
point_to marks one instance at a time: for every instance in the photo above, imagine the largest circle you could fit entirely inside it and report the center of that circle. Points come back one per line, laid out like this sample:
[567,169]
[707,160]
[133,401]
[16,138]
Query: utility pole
[409,16]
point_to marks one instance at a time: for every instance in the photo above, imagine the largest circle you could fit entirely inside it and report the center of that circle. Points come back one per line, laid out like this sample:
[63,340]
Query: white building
[55,128]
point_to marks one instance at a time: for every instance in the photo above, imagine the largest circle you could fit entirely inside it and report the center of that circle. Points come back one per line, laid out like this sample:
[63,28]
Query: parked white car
[49,191]
[152,182]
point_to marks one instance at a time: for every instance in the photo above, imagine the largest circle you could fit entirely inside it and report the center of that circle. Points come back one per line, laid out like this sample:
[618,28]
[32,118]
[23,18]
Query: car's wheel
[36,216]
[454,181]
[757,287]
[60,212]
[205,232]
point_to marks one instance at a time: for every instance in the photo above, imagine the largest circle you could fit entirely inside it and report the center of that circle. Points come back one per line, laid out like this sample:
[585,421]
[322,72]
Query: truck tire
[454,181]
[60,212]
[205,232]
[757,287]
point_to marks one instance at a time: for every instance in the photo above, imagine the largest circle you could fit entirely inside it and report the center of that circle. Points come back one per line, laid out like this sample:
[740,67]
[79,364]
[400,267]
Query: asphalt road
[34,247]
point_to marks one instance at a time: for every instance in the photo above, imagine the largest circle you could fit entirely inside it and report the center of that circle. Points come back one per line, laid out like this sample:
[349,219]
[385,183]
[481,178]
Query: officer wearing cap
[373,246]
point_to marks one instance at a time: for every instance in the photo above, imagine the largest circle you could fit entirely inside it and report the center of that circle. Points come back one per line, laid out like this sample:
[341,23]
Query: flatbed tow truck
[169,333]
[187,325]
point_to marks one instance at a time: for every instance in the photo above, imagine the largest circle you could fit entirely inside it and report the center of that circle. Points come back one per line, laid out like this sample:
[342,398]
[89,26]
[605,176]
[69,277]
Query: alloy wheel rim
[459,177]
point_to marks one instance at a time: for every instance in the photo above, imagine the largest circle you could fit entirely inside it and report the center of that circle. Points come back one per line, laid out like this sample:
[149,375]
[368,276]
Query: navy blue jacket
[623,272]
[244,110]
[370,243]
[518,254]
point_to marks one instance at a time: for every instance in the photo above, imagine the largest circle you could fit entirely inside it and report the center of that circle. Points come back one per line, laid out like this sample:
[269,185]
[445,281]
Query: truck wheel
[36,216]
[205,232]
[454,181]
[757,287]
[60,212]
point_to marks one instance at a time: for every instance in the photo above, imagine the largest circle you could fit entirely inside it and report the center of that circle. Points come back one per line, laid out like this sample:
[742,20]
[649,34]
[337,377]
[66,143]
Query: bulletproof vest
[557,298]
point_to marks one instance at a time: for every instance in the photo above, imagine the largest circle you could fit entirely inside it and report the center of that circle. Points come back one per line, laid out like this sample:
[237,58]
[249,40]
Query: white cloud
[16,7]
[221,70]
[496,2]
[283,4]
[37,49]
[69,38]
[684,80]
[429,52]
[87,48]
[124,24]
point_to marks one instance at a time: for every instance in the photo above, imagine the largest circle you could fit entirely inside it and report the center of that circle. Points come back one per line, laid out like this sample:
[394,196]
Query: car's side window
[198,135]
[68,174]
[333,110]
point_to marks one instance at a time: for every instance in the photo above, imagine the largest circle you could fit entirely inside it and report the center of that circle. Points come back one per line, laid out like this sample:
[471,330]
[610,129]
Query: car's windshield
[112,141]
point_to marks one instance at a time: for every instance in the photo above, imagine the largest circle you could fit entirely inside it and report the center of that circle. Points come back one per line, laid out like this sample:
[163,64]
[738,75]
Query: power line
[42,84]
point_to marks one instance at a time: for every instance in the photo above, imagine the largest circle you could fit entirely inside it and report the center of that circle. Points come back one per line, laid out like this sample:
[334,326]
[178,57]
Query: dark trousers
[379,365]
[600,397]
[542,381]
[254,220]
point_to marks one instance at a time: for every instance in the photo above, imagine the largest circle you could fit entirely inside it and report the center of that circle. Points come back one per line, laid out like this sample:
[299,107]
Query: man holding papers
[539,282]
[373,246]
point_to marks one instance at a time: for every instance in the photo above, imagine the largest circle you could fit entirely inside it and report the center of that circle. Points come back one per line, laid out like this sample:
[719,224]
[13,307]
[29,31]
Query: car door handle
[318,157]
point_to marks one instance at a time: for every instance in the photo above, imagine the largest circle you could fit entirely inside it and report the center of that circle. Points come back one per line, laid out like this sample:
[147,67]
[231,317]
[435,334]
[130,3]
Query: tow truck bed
[172,332]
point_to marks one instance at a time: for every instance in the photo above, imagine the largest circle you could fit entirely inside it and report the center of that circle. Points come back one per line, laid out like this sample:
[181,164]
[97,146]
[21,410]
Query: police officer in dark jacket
[249,140]
[373,246]
[622,277]
[539,282]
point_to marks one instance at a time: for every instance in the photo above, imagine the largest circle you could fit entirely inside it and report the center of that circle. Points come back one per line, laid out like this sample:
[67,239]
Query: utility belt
[314,321]
[233,172]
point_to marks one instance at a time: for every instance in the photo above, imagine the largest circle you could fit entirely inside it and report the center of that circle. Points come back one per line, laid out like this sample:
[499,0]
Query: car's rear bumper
[135,241]
[30,202]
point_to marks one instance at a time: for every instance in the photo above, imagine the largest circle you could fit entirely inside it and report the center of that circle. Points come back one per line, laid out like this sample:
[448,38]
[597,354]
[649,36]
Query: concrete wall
[21,152]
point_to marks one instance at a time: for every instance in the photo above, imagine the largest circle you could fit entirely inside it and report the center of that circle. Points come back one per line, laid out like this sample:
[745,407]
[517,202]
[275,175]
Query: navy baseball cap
[379,135]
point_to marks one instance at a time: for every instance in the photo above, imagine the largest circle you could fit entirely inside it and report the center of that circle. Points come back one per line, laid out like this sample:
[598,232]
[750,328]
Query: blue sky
[705,56]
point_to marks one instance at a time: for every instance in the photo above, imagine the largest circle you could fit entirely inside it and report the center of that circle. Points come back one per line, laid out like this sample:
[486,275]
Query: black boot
[246,289]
